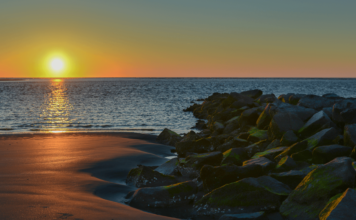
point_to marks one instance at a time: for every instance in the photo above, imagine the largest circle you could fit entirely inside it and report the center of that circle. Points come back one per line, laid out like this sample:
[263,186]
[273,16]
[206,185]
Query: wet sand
[73,176]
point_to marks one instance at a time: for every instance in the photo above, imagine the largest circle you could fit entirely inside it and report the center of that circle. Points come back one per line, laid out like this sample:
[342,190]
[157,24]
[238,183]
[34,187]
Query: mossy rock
[254,93]
[198,146]
[289,138]
[168,137]
[283,122]
[256,136]
[231,125]
[169,167]
[234,143]
[267,98]
[313,193]
[270,154]
[247,195]
[180,194]
[190,166]
[249,117]
[285,164]
[234,156]
[275,143]
[304,155]
[297,147]
[342,206]
[324,137]
[190,136]
[316,123]
[215,177]
[350,135]
[324,154]
[263,162]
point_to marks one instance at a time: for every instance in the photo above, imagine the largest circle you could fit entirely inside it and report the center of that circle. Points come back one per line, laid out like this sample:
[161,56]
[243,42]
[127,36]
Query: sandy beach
[73,176]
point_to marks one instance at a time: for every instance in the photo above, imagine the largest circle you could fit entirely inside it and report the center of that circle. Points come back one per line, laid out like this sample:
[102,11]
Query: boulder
[265,117]
[234,143]
[331,95]
[253,149]
[285,164]
[313,193]
[328,111]
[302,112]
[274,144]
[353,153]
[324,154]
[168,137]
[285,97]
[200,125]
[190,166]
[245,216]
[340,207]
[146,177]
[241,100]
[231,125]
[244,196]
[169,167]
[268,98]
[350,135]
[344,111]
[257,135]
[270,154]
[218,127]
[249,117]
[255,93]
[235,156]
[318,122]
[199,146]
[317,102]
[215,177]
[304,155]
[190,136]
[218,140]
[291,178]
[180,194]
[233,119]
[283,122]
[297,147]
[294,177]
[265,163]
[244,135]
[327,136]
[294,99]
[289,138]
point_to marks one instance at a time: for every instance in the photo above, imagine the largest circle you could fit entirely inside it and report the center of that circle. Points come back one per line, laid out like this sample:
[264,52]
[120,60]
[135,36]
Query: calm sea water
[139,104]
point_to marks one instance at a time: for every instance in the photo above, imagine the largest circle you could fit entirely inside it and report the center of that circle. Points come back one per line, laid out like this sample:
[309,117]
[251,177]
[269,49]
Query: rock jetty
[257,156]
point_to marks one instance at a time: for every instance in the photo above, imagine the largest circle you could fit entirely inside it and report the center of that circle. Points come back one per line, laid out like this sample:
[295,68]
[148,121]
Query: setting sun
[57,65]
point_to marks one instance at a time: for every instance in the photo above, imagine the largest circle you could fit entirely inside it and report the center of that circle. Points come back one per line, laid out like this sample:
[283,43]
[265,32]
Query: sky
[182,38]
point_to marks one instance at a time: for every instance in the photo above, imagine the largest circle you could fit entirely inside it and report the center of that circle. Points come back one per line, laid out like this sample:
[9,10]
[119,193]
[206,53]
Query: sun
[57,65]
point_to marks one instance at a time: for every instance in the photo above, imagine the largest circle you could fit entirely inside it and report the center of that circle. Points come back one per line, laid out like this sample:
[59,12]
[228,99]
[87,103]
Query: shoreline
[73,175]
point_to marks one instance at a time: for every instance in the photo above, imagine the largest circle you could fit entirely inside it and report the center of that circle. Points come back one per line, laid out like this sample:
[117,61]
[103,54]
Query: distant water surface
[145,105]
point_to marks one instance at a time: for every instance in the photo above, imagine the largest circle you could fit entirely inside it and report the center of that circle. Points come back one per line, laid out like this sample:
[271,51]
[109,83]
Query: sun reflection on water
[55,111]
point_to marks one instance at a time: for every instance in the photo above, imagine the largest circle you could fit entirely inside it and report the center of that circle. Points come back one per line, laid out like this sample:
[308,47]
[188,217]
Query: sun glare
[57,65]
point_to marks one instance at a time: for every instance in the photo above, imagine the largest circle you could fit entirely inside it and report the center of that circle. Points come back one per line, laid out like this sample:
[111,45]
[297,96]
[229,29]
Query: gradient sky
[182,38]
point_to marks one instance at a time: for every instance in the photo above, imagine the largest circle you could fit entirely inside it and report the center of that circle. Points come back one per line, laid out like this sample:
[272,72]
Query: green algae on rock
[247,195]
[168,137]
[313,193]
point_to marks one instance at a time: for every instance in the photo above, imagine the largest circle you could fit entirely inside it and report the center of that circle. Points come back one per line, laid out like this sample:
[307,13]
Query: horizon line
[178,77]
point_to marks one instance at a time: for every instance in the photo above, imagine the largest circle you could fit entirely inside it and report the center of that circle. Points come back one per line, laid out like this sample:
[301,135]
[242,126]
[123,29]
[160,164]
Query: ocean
[144,105]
